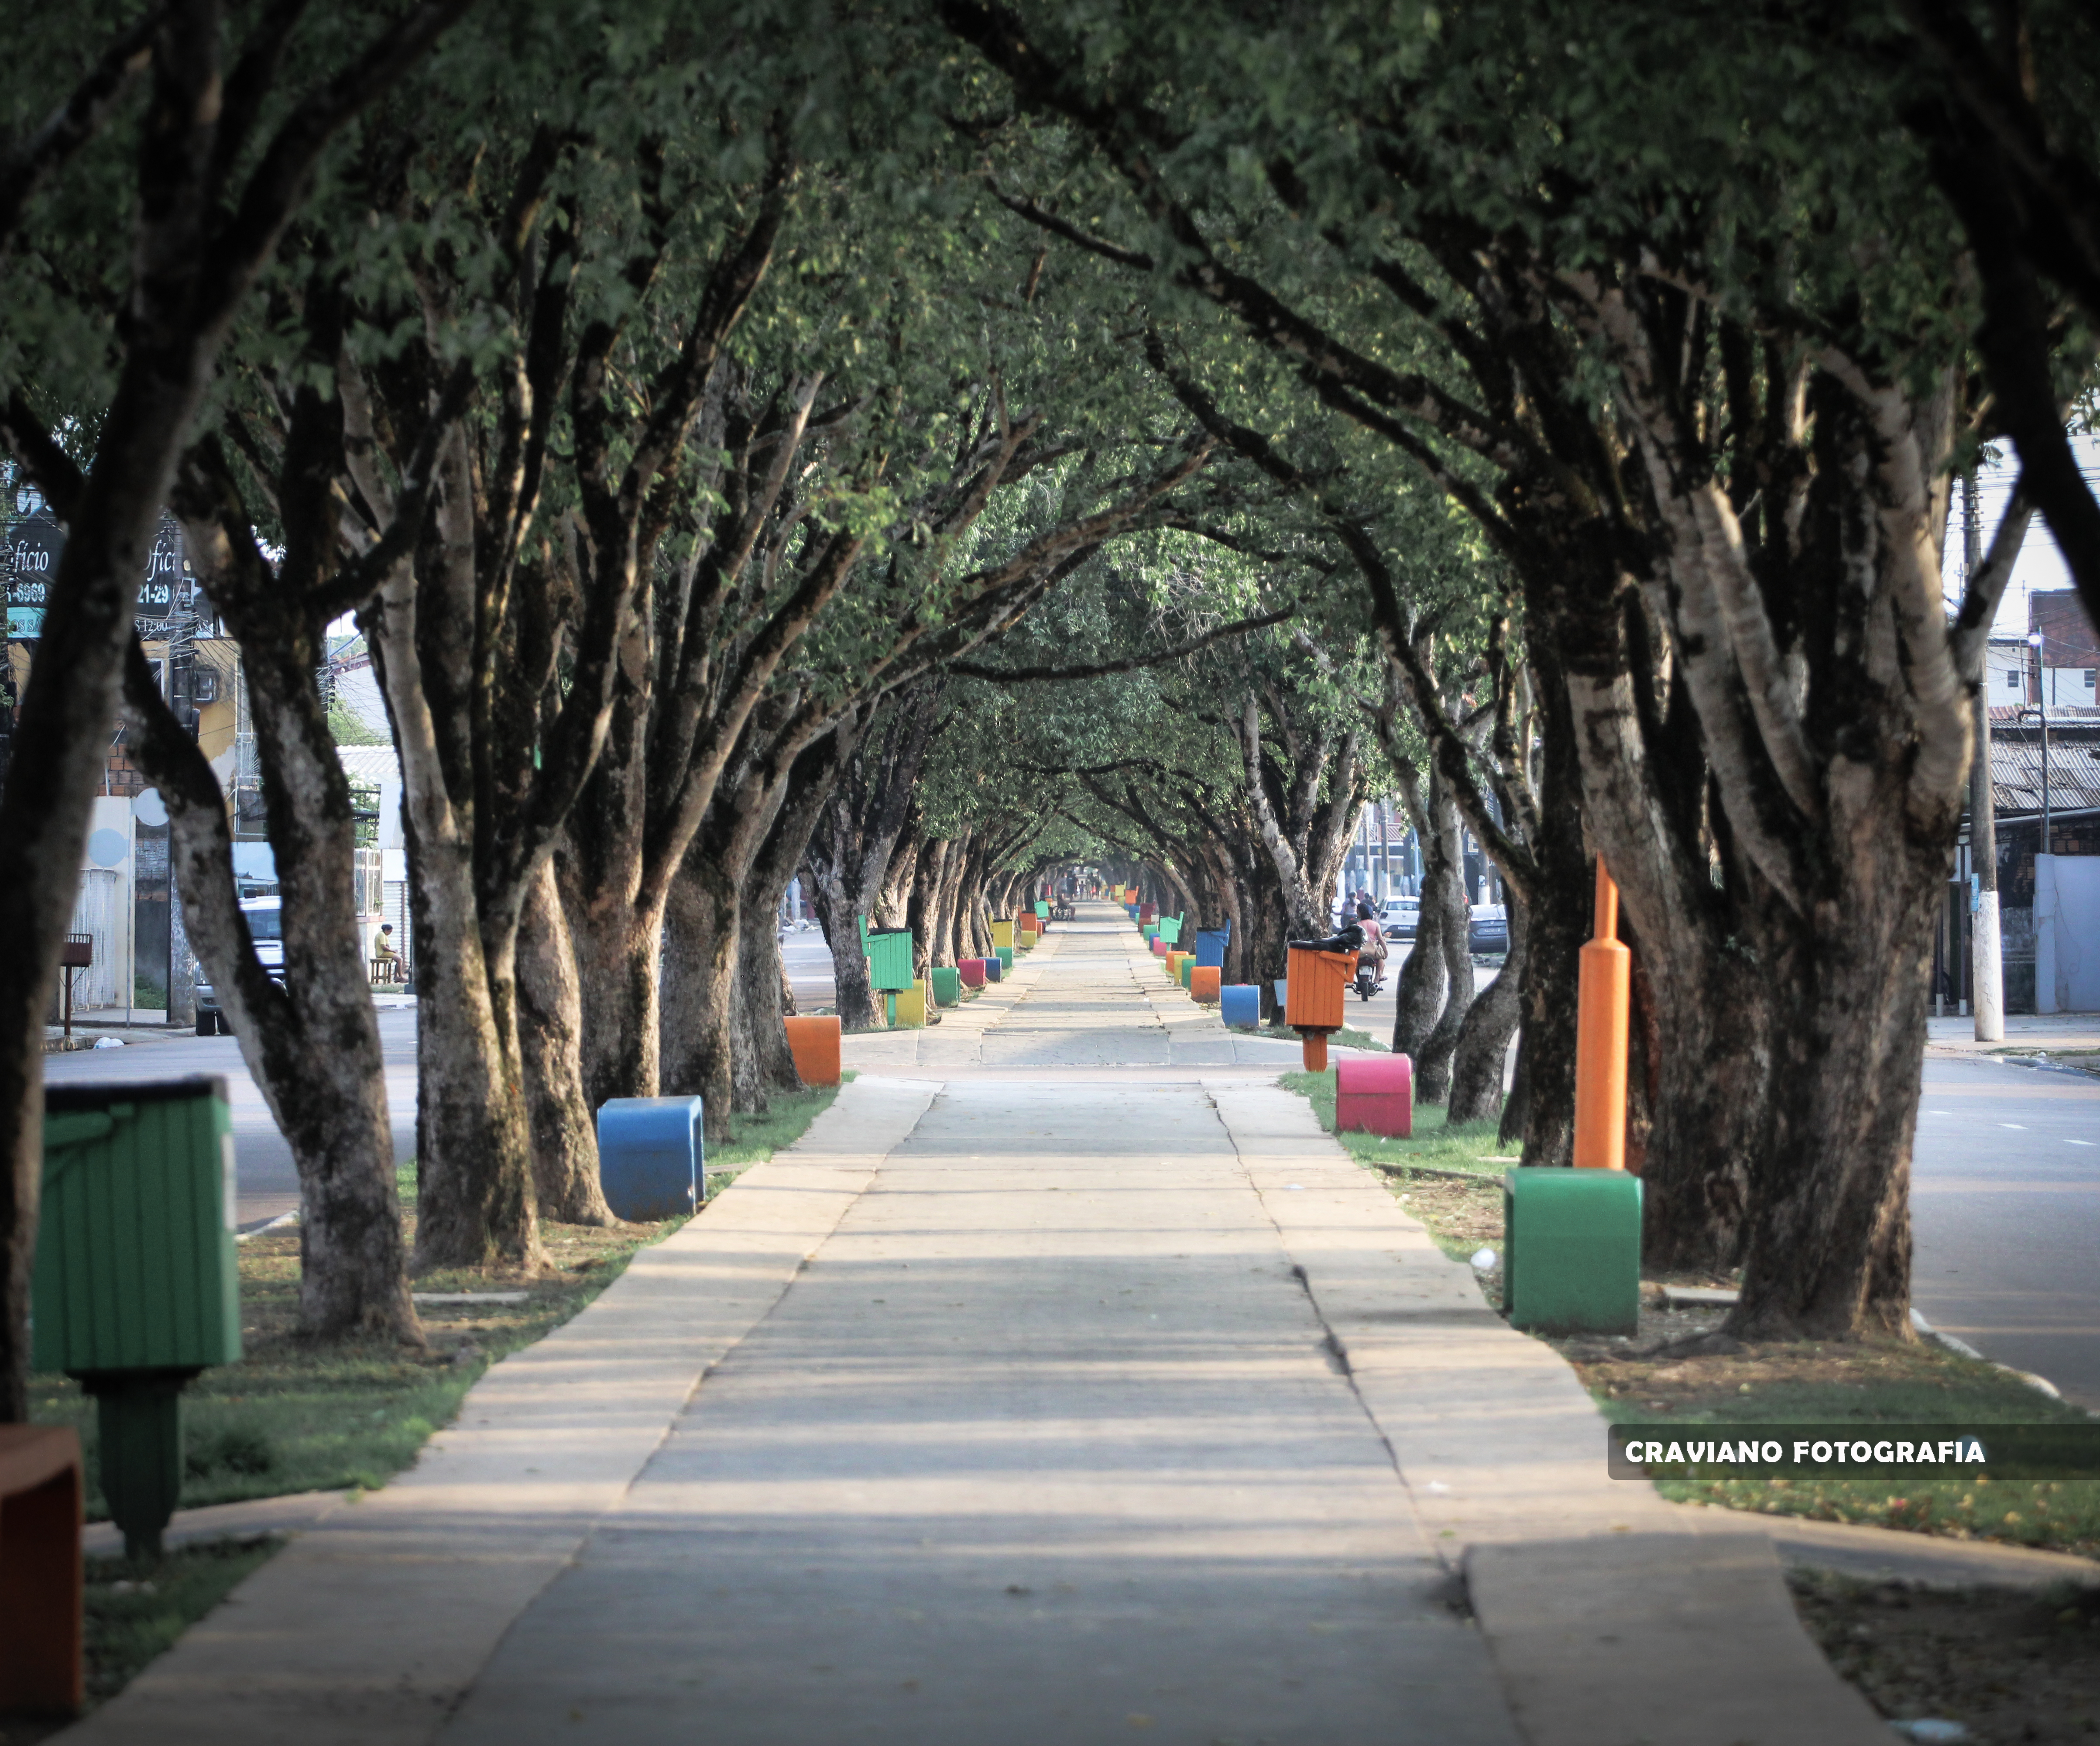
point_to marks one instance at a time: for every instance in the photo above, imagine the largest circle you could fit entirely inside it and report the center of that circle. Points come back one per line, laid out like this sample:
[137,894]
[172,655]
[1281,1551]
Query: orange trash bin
[1203,984]
[41,1490]
[1314,998]
[815,1042]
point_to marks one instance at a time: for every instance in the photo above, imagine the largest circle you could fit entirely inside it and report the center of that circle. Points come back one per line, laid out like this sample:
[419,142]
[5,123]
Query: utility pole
[1987,973]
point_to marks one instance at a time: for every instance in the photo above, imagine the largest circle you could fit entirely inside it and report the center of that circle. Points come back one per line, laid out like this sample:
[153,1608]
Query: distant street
[269,1185]
[2006,1200]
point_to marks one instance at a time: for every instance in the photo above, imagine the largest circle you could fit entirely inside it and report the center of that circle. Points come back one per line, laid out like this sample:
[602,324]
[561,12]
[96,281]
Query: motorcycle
[1370,975]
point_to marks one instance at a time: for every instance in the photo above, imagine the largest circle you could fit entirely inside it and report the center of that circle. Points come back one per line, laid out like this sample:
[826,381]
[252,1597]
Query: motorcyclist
[1373,946]
[1353,935]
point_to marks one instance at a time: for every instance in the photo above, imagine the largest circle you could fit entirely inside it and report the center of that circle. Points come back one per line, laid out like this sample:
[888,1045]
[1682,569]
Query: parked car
[1399,917]
[266,927]
[1487,932]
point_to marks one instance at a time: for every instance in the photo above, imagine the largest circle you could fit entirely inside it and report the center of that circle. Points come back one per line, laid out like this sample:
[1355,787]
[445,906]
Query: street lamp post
[2041,714]
[2044,896]
[1986,966]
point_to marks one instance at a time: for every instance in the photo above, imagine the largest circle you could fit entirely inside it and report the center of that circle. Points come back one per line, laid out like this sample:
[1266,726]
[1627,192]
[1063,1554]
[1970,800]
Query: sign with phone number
[36,544]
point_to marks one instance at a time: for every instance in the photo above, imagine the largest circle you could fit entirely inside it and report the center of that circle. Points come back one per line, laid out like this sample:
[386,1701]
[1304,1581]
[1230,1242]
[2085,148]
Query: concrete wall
[2067,932]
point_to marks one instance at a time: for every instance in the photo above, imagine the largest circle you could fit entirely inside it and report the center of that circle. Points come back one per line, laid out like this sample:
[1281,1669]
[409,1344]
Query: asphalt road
[2006,1205]
[268,1184]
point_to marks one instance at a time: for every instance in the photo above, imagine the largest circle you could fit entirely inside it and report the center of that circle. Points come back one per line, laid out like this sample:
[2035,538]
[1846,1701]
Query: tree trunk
[698,985]
[1540,1115]
[474,1203]
[1484,1038]
[312,1042]
[1426,976]
[1828,1242]
[1432,1066]
[565,1171]
[947,947]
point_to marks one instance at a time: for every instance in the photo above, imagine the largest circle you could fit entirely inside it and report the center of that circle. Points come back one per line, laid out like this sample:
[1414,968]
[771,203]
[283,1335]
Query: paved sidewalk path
[1028,1400]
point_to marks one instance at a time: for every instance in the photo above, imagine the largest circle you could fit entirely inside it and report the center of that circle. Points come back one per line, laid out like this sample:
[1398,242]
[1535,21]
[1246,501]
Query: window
[2012,679]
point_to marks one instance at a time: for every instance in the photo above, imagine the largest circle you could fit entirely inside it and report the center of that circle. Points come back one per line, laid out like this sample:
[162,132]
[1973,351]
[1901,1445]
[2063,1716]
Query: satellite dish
[149,808]
[107,848]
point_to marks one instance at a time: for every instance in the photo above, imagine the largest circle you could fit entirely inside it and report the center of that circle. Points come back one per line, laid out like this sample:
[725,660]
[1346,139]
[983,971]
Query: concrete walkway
[1031,1398]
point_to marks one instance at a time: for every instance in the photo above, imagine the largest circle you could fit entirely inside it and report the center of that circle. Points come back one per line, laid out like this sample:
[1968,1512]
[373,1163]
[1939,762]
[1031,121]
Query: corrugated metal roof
[2074,769]
[370,763]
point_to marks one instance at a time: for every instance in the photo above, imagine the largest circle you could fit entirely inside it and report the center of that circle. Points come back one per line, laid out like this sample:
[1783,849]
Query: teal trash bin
[1005,958]
[947,985]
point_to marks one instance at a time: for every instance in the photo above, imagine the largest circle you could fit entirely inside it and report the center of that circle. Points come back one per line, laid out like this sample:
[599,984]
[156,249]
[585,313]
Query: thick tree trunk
[925,907]
[310,1042]
[764,1062]
[475,1206]
[698,988]
[1826,1252]
[1432,1065]
[946,947]
[837,907]
[565,1172]
[1425,978]
[1484,1038]
[617,952]
[1712,1073]
[474,1203]
[1540,1115]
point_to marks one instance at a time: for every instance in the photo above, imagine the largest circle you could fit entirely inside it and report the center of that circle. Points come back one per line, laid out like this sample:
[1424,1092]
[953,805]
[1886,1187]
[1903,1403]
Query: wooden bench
[39,1568]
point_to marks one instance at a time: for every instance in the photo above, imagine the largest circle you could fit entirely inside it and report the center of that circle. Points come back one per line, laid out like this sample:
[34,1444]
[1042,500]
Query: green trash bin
[947,983]
[1572,1241]
[1005,959]
[1170,930]
[137,1287]
[889,958]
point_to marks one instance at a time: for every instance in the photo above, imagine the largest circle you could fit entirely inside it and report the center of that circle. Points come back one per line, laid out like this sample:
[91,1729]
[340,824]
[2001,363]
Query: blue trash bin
[1239,1006]
[994,968]
[1210,946]
[651,1157]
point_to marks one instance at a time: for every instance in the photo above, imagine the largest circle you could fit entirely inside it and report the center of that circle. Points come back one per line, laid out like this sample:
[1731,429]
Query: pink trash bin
[1375,1096]
[972,971]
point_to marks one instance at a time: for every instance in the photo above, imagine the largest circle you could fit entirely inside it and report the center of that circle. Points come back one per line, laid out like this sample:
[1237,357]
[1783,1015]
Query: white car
[1399,918]
[265,927]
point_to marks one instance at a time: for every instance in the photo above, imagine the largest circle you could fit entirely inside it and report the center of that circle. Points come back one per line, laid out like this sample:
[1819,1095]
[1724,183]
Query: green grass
[135,1612]
[1435,1145]
[1917,1384]
[294,1415]
[1347,1037]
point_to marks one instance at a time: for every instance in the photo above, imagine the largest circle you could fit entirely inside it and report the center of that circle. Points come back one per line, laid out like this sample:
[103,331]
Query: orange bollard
[1604,1003]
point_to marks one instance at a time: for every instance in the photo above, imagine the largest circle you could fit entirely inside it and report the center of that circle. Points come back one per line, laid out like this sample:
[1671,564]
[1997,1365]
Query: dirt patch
[1462,1216]
[2010,1666]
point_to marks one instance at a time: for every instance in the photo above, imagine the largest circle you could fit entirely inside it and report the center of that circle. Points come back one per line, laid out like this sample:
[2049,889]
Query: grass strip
[296,1415]
[1863,1383]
